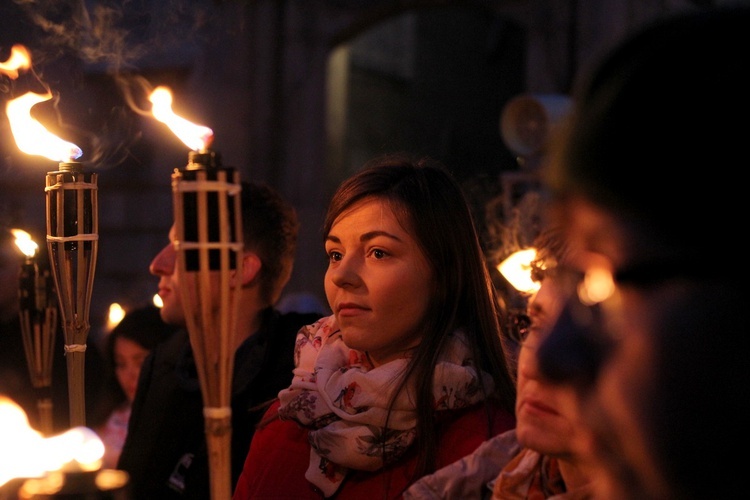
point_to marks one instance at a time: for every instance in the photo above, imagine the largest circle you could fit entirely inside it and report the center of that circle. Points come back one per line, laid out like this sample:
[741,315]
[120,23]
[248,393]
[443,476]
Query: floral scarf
[343,400]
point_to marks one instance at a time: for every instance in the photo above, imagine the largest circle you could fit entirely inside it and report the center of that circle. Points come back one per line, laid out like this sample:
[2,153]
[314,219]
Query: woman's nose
[346,273]
[164,262]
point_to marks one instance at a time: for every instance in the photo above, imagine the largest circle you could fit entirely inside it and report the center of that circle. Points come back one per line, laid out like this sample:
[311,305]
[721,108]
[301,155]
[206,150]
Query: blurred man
[165,450]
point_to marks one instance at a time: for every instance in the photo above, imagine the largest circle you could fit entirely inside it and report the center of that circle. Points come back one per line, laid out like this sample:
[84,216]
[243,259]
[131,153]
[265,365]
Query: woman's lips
[537,406]
[350,309]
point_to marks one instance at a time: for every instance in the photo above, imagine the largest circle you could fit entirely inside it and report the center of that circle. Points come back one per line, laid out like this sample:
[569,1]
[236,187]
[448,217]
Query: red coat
[280,454]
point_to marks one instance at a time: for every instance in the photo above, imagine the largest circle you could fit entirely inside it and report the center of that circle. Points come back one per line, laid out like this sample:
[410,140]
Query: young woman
[408,374]
[126,347]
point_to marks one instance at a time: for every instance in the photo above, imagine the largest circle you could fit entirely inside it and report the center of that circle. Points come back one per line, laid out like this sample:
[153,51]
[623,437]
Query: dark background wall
[299,94]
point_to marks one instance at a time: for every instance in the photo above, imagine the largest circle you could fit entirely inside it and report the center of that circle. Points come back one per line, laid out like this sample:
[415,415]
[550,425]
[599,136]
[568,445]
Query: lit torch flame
[31,136]
[26,453]
[19,59]
[24,242]
[196,137]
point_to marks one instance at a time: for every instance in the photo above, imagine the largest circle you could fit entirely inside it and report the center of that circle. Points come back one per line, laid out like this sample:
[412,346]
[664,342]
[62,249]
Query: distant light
[517,270]
[157,301]
[115,315]
[597,286]
[24,242]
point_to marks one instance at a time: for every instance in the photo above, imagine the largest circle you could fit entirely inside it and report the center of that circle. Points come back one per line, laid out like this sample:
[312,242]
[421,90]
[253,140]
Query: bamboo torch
[38,315]
[72,236]
[208,227]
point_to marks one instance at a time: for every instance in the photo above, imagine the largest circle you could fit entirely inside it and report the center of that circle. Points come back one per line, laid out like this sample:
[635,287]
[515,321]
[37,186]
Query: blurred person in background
[125,349]
[642,179]
[165,451]
[539,458]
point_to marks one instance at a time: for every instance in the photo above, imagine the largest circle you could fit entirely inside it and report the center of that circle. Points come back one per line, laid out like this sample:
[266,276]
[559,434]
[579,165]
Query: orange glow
[196,137]
[517,270]
[115,315]
[597,286]
[27,453]
[19,59]
[31,136]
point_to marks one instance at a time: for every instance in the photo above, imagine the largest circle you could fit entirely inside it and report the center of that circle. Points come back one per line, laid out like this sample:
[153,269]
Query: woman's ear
[250,267]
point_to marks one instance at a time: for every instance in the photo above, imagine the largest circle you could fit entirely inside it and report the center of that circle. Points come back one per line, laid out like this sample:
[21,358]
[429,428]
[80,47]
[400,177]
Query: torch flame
[196,137]
[25,453]
[19,59]
[31,136]
[24,242]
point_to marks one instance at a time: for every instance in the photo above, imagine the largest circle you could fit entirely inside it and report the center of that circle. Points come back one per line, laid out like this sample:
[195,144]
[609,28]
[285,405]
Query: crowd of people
[628,381]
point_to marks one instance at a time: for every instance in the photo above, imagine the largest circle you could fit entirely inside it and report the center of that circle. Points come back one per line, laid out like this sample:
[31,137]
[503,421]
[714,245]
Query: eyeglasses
[519,325]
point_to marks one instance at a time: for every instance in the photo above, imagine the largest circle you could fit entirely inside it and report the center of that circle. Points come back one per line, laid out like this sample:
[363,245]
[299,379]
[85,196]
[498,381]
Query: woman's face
[545,412]
[129,356]
[378,282]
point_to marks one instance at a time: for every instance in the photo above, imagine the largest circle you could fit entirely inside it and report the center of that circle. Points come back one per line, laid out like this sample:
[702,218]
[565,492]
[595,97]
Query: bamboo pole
[209,257]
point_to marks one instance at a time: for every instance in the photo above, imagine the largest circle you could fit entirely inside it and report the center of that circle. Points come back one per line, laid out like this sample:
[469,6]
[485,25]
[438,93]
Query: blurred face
[164,265]
[378,282]
[545,412]
[129,356]
[613,354]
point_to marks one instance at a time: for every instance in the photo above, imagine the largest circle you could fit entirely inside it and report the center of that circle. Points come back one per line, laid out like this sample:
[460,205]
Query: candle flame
[24,242]
[25,453]
[196,137]
[19,59]
[31,136]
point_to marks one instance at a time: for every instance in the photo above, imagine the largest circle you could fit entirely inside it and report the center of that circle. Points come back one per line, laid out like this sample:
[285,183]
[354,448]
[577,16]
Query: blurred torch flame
[517,270]
[114,315]
[24,242]
[25,453]
[31,136]
[196,137]
[19,59]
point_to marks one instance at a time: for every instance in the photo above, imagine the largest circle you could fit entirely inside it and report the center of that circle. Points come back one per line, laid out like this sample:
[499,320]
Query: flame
[25,453]
[115,315]
[517,270]
[19,59]
[196,137]
[24,242]
[31,136]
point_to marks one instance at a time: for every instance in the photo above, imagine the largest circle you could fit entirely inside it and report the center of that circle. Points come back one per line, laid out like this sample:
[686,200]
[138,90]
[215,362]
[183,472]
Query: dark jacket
[165,450]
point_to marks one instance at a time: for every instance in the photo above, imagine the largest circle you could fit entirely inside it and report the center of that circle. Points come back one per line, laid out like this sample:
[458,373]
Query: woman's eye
[378,254]
[334,256]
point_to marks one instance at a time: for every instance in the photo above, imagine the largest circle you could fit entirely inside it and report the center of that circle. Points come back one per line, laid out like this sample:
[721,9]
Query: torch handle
[76,361]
